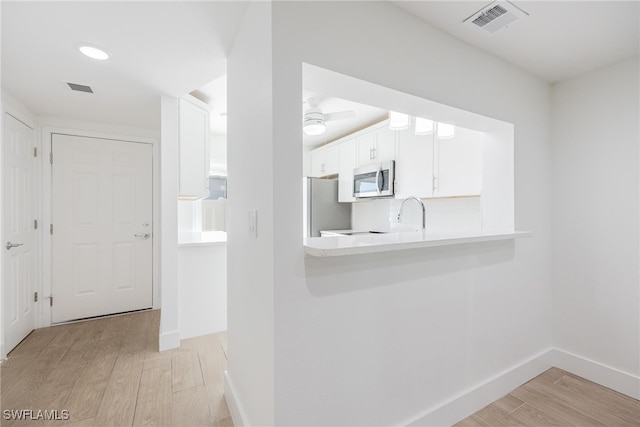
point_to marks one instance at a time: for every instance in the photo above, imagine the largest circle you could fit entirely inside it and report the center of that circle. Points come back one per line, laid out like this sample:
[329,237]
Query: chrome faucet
[424,210]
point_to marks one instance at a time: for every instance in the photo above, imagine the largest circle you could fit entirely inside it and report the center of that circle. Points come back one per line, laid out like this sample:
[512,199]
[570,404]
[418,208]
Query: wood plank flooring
[558,398]
[108,372]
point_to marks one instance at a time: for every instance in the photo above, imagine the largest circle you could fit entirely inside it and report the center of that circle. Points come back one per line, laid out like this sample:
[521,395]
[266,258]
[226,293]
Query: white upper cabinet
[378,145]
[385,144]
[194,148]
[366,148]
[426,166]
[458,170]
[324,162]
[348,161]
[414,165]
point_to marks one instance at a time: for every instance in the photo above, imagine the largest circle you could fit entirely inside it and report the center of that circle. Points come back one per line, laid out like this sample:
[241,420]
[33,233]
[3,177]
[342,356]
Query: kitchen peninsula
[338,245]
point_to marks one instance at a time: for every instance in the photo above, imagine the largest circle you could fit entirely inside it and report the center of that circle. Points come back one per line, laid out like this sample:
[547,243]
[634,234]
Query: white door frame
[14,108]
[44,312]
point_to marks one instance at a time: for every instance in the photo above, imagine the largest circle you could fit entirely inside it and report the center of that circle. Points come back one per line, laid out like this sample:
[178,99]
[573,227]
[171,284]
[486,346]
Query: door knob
[10,245]
[143,235]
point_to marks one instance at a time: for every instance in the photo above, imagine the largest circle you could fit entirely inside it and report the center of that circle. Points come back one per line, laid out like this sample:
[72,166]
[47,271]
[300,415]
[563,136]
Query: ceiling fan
[314,119]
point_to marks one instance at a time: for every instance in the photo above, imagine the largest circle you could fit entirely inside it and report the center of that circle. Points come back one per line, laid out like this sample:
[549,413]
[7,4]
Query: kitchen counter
[332,246]
[202,238]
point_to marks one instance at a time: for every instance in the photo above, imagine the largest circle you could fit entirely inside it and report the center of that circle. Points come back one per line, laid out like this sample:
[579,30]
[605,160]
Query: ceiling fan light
[446,131]
[398,121]
[314,127]
[424,126]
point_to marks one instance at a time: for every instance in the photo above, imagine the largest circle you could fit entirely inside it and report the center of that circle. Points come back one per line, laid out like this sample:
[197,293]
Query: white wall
[169,292]
[386,339]
[250,261]
[595,257]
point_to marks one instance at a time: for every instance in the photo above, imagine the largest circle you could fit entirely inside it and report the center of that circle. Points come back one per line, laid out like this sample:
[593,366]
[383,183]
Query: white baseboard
[476,398]
[622,382]
[169,340]
[237,414]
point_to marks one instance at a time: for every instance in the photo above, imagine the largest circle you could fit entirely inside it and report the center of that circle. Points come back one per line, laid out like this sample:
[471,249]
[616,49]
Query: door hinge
[35,224]
[51,157]
[51,229]
[35,151]
[50,300]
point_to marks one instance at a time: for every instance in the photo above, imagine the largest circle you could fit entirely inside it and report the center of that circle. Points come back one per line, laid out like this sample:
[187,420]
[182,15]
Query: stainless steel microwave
[374,180]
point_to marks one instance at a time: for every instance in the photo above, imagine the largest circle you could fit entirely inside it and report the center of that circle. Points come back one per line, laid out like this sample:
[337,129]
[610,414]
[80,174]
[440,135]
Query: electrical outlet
[253,224]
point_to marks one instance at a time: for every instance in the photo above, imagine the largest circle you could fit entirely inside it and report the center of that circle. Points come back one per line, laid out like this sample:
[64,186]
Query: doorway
[102,239]
[18,247]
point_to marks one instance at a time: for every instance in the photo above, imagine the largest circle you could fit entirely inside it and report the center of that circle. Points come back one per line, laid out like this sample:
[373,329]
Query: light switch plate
[253,224]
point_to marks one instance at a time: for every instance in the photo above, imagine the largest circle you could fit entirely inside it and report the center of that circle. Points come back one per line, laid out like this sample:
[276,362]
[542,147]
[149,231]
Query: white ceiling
[559,39]
[175,47]
[157,47]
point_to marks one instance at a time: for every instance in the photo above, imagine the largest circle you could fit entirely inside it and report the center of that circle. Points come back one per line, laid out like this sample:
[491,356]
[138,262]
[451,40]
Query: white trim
[607,376]
[169,340]
[235,408]
[472,400]
[45,148]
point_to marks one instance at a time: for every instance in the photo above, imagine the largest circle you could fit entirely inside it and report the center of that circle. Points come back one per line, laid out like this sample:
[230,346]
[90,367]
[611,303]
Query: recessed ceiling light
[94,52]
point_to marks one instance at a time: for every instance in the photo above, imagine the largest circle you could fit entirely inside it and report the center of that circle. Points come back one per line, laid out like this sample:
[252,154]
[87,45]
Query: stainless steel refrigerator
[321,209]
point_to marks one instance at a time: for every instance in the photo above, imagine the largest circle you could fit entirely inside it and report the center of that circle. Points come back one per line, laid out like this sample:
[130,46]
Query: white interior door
[102,222]
[18,252]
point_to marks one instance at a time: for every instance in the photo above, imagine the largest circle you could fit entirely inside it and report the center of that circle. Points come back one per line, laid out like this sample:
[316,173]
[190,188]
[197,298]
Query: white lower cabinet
[348,159]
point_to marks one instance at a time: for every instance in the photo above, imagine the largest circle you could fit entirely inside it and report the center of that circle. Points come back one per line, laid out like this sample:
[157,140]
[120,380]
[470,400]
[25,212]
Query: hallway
[108,371]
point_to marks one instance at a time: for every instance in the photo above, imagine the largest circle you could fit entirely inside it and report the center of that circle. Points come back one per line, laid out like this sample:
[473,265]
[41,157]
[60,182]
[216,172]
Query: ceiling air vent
[496,15]
[80,88]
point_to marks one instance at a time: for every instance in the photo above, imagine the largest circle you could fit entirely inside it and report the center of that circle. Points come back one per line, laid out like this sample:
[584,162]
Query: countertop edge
[193,244]
[388,247]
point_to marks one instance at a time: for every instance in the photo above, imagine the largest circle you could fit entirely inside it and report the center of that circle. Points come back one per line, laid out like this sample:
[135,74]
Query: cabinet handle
[374,153]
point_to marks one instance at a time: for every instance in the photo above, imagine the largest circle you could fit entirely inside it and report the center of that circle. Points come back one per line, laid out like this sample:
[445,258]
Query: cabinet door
[317,159]
[414,165]
[324,162]
[194,150]
[385,145]
[348,159]
[459,166]
[366,148]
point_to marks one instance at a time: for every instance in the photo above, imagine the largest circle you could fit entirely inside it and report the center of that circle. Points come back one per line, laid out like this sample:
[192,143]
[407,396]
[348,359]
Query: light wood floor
[558,398]
[108,372]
